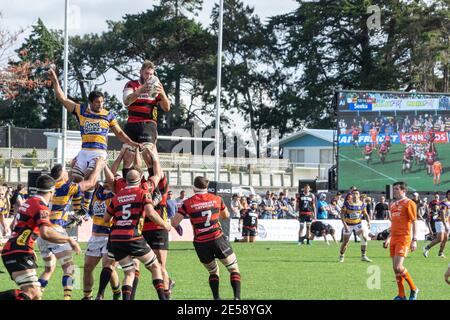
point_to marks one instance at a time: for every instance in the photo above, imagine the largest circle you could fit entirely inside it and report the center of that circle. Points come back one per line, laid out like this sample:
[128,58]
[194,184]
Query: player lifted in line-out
[18,255]
[65,189]
[440,216]
[437,171]
[351,215]
[403,217]
[204,210]
[128,209]
[98,245]
[142,98]
[306,207]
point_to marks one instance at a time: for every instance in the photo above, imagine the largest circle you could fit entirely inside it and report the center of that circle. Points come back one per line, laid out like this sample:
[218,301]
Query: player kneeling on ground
[351,215]
[128,209]
[204,210]
[18,254]
[320,229]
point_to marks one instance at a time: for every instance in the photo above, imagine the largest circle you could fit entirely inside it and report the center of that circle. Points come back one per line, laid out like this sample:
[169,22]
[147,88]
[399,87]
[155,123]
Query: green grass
[282,270]
[352,170]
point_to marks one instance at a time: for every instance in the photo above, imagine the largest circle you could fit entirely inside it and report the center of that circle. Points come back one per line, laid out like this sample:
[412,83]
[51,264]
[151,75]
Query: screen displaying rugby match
[385,137]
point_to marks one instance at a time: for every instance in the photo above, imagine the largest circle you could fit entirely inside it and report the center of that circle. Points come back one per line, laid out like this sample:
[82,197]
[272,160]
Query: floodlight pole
[66,61]
[219,76]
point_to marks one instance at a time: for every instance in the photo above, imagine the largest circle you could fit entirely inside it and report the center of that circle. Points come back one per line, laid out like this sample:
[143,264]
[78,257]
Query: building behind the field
[310,151]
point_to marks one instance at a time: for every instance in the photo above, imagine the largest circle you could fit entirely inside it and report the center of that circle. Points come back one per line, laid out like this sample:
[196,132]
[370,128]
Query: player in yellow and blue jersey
[352,213]
[98,244]
[65,189]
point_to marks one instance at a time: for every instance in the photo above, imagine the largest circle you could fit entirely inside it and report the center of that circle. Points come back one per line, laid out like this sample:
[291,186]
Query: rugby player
[355,136]
[97,248]
[204,210]
[306,207]
[407,160]
[403,215]
[367,152]
[18,255]
[374,133]
[430,157]
[128,209]
[94,122]
[351,216]
[320,229]
[155,235]
[143,112]
[65,189]
[437,170]
[249,219]
[439,213]
[382,153]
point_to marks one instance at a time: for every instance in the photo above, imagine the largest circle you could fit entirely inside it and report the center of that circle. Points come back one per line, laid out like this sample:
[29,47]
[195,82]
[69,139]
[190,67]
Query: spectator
[18,198]
[236,207]
[181,198]
[381,211]
[244,203]
[267,207]
[172,206]
[285,208]
[335,210]
[369,206]
[251,198]
[322,207]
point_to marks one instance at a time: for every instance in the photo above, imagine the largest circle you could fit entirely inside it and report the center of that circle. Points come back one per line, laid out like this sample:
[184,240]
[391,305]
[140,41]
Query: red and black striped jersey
[249,219]
[144,108]
[161,207]
[121,183]
[32,214]
[204,210]
[127,209]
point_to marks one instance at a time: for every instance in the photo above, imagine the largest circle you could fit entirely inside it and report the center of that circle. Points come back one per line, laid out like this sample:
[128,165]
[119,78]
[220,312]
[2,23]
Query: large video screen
[387,137]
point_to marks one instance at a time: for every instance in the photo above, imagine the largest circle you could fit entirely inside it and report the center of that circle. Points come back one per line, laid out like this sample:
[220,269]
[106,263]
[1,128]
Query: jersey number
[208,219]
[126,213]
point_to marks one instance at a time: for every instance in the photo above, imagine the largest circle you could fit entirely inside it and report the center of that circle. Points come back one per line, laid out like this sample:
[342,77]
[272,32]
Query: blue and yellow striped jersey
[60,204]
[353,212]
[94,127]
[97,209]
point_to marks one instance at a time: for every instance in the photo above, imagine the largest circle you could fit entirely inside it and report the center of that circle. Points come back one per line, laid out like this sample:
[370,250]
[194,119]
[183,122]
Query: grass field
[353,170]
[283,270]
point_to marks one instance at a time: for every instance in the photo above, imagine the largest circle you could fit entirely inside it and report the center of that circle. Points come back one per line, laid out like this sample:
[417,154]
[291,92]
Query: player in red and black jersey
[143,110]
[204,210]
[128,209]
[249,218]
[18,254]
[156,236]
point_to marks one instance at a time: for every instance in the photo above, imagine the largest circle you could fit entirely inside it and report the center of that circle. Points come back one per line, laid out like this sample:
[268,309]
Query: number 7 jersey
[203,209]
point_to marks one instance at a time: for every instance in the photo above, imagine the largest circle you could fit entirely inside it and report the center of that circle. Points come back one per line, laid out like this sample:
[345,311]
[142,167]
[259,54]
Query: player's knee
[233,266]
[152,263]
[212,267]
[128,268]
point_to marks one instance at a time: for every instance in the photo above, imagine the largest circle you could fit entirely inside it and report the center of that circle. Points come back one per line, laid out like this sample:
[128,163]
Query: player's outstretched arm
[116,164]
[176,220]
[109,176]
[49,234]
[90,183]
[151,213]
[68,104]
[414,236]
[122,136]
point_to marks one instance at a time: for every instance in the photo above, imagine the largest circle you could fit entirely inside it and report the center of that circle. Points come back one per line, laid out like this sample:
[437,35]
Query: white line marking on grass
[376,171]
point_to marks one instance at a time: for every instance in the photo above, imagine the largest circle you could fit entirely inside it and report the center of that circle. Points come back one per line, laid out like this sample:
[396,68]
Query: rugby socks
[235,279]
[363,250]
[116,293]
[214,285]
[135,283]
[76,202]
[87,294]
[407,277]
[301,239]
[13,294]
[67,282]
[159,286]
[87,199]
[126,292]
[43,283]
[401,287]
[105,277]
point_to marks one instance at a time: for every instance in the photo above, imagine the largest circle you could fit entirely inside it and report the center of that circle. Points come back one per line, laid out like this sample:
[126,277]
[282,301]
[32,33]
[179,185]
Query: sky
[90,16]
